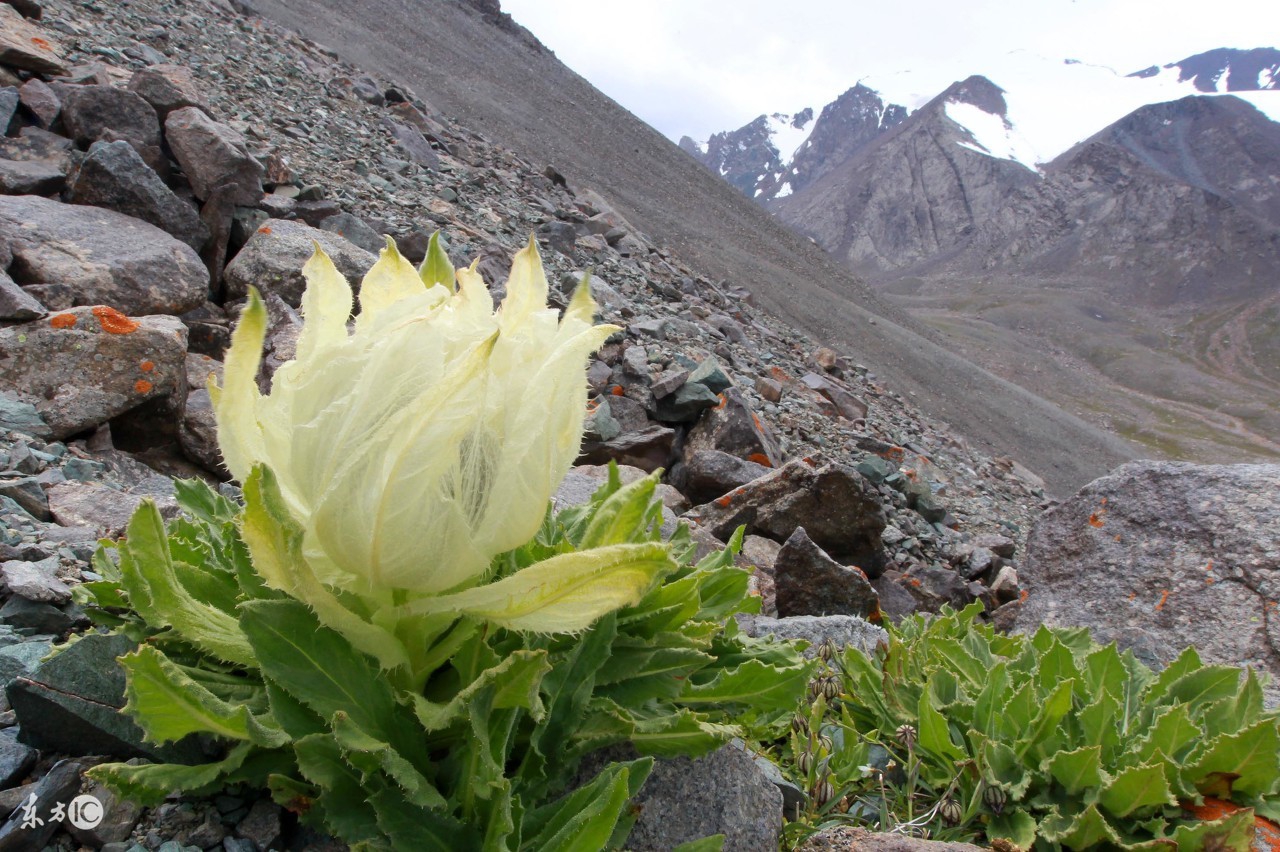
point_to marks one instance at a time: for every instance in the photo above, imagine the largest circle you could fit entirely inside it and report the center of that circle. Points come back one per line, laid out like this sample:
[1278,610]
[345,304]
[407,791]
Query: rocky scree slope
[500,82]
[160,158]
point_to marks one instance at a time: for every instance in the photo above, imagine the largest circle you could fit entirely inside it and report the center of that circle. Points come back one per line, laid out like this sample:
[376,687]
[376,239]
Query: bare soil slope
[498,80]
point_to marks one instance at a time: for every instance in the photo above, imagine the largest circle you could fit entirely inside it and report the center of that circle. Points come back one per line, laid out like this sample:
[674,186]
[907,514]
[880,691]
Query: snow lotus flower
[413,447]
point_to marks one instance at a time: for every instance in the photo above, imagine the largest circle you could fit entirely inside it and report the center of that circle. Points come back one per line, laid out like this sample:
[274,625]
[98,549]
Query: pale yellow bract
[416,446]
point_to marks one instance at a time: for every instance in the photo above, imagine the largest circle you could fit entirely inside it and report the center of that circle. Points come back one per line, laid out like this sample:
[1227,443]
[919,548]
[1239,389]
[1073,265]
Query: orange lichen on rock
[760,458]
[41,43]
[1023,595]
[1164,597]
[63,320]
[1095,520]
[147,366]
[894,454]
[265,229]
[114,322]
[142,386]
[617,390]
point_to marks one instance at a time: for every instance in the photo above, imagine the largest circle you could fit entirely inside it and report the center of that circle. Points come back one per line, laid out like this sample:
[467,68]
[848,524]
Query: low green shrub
[1034,742]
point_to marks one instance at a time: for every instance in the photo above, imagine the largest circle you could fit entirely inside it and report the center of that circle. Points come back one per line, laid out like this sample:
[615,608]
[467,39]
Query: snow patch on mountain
[991,134]
[788,132]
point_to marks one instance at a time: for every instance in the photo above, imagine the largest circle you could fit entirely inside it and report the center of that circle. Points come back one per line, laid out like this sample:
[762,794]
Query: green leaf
[1057,664]
[1205,686]
[343,804]
[1085,830]
[757,684]
[436,267]
[987,707]
[714,843]
[168,704]
[1097,723]
[935,734]
[1002,765]
[319,668]
[1104,671]
[1018,827]
[1232,833]
[1138,788]
[419,829]
[1247,761]
[622,516]
[149,783]
[200,501]
[586,818]
[149,575]
[1172,734]
[1077,771]
[1187,663]
[1241,710]
[1043,737]
[516,680]
[371,755]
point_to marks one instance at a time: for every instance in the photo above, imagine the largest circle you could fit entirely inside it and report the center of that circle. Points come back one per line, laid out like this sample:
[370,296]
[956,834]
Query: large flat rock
[93,256]
[1161,555]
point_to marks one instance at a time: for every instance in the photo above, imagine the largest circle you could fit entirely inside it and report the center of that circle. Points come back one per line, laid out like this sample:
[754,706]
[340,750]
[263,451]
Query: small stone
[262,825]
[809,582]
[16,760]
[36,617]
[213,156]
[35,581]
[26,45]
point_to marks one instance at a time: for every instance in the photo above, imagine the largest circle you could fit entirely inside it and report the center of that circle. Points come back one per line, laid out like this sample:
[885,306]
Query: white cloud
[700,66]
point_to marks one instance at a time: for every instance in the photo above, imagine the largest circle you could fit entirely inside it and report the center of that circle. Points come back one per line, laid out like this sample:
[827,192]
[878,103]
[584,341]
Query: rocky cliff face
[1226,70]
[914,194]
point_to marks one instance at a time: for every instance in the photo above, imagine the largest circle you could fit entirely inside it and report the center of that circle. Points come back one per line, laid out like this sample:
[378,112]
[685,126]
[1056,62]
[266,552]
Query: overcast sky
[701,66]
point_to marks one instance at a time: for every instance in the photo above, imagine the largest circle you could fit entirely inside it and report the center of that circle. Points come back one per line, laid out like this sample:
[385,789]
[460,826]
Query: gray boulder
[167,88]
[71,704]
[76,255]
[213,156]
[115,177]
[37,96]
[710,473]
[686,799]
[93,113]
[272,260]
[1161,555]
[733,427]
[82,367]
[809,582]
[847,631]
[26,45]
[837,507]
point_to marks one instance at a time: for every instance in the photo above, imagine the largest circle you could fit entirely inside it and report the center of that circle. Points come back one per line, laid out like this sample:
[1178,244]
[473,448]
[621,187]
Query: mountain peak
[1225,69]
[977,91]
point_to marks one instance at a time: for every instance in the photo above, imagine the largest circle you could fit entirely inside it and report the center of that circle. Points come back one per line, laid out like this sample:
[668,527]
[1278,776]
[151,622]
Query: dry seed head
[906,735]
[994,797]
[950,811]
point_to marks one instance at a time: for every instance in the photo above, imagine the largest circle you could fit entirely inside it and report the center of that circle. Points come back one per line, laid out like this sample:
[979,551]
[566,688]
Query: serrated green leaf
[1204,686]
[197,499]
[1247,762]
[149,575]
[587,817]
[1018,827]
[1077,771]
[1018,712]
[1186,663]
[1042,737]
[758,684]
[319,668]
[960,661]
[1057,664]
[168,704]
[1085,830]
[371,755]
[343,802]
[989,704]
[1001,765]
[1137,788]
[934,734]
[1232,833]
[516,680]
[149,783]
[621,516]
[1104,671]
[1172,733]
[1237,711]
[1097,724]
